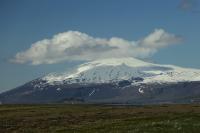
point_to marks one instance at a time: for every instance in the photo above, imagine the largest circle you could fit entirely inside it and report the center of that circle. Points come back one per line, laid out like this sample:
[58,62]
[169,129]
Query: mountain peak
[102,70]
[117,69]
[129,61]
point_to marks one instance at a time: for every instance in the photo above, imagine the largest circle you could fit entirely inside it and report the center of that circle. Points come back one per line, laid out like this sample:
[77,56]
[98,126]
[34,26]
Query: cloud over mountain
[75,45]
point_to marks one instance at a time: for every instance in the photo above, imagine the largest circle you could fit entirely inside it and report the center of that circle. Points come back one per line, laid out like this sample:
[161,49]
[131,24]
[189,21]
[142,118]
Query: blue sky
[24,22]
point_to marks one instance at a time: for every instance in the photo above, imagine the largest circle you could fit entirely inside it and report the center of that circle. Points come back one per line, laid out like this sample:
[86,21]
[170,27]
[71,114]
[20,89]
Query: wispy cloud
[74,45]
[189,5]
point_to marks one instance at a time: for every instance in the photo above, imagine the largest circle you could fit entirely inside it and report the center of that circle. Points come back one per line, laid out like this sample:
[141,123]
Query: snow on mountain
[117,69]
[115,80]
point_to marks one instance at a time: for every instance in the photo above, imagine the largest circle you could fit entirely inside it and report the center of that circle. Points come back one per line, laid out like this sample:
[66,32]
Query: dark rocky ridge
[121,92]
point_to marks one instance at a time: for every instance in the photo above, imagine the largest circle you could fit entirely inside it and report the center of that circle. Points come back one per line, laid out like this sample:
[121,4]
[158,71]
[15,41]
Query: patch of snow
[58,89]
[91,93]
[36,86]
[141,90]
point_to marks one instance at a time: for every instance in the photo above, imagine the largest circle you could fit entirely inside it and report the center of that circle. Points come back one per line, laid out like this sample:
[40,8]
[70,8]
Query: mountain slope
[115,80]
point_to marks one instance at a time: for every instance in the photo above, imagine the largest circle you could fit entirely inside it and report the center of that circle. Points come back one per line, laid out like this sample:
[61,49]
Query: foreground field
[99,118]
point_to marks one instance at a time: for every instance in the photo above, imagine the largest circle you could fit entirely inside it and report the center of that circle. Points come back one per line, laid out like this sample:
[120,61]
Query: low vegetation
[99,118]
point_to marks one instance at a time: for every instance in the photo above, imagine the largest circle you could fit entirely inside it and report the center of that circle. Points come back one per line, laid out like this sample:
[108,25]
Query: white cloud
[74,45]
[159,38]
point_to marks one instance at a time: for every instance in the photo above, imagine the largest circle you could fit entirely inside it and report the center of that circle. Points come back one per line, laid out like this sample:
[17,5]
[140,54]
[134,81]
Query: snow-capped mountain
[117,69]
[114,80]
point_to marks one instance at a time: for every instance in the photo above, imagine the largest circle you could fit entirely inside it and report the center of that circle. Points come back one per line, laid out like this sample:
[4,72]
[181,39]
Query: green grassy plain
[99,119]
